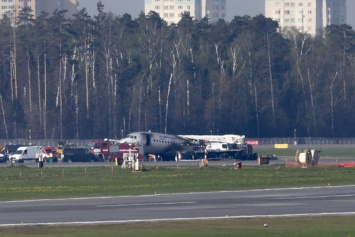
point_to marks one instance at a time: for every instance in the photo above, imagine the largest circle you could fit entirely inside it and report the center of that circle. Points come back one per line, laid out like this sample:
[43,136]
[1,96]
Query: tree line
[105,76]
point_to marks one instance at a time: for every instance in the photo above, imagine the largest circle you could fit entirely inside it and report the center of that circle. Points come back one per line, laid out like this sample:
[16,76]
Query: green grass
[32,183]
[277,227]
[326,152]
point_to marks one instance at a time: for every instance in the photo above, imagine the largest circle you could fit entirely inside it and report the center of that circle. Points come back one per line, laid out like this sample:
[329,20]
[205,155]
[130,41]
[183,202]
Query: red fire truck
[110,151]
[104,150]
[129,149]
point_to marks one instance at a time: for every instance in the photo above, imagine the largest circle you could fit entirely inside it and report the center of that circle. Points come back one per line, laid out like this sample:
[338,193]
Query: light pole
[294,137]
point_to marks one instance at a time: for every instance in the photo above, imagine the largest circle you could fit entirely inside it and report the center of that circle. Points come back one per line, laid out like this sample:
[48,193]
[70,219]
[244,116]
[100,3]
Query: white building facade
[12,7]
[307,16]
[171,10]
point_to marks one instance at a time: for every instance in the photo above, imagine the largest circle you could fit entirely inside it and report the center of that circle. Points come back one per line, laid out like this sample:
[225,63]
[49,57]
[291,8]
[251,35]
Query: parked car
[2,158]
[46,154]
[78,155]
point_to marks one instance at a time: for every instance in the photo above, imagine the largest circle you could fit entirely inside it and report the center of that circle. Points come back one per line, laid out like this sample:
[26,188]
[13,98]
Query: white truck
[26,153]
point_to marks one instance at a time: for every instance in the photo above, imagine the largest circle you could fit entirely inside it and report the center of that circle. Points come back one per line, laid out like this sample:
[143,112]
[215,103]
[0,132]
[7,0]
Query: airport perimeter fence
[261,141]
[42,142]
[307,141]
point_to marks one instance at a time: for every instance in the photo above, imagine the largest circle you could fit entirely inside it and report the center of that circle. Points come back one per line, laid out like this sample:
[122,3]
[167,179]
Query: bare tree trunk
[63,65]
[352,63]
[12,75]
[167,102]
[160,111]
[15,64]
[130,110]
[86,79]
[299,54]
[333,102]
[254,91]
[45,96]
[77,115]
[29,84]
[271,81]
[115,107]
[256,110]
[4,118]
[312,104]
[39,91]
[140,107]
[235,53]
[220,63]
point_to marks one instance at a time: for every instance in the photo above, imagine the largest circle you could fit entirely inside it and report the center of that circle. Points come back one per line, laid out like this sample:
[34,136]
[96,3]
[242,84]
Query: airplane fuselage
[154,143]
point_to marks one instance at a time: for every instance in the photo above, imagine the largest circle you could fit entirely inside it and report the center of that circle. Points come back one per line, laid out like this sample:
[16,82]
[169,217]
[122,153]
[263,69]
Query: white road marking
[314,196]
[147,204]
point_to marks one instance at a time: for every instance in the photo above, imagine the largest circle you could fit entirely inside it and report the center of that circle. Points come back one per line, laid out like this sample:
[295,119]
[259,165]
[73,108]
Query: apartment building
[171,10]
[12,7]
[307,16]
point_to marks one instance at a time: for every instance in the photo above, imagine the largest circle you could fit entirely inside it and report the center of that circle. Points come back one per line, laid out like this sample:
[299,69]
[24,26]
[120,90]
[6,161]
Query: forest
[106,75]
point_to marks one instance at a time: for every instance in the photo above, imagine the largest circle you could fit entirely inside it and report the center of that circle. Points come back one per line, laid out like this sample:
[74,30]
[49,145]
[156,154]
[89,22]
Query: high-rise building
[171,10]
[12,7]
[307,16]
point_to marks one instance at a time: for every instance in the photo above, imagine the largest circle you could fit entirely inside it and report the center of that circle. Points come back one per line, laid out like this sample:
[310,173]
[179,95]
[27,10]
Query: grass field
[339,226]
[18,183]
[33,183]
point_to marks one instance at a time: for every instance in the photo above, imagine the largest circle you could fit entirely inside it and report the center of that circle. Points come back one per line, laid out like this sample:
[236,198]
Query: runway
[188,206]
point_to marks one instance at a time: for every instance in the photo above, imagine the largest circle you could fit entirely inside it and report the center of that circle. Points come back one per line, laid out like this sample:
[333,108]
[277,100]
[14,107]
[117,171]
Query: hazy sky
[234,7]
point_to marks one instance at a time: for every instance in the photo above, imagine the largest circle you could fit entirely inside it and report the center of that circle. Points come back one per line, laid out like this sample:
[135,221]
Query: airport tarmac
[311,201]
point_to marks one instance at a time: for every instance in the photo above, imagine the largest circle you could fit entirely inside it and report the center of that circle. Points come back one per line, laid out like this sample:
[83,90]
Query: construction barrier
[346,165]
[281,146]
[263,160]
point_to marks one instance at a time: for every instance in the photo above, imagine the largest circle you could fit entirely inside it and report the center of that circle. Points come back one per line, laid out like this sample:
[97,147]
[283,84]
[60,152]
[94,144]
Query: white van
[25,153]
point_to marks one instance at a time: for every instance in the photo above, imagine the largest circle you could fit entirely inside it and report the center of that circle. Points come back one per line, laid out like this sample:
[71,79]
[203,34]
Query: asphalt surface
[189,206]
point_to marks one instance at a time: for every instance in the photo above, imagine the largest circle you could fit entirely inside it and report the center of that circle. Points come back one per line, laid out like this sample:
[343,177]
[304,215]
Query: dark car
[7,151]
[2,158]
[78,155]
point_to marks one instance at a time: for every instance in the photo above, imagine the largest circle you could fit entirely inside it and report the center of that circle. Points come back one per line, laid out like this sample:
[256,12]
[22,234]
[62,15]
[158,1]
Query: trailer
[217,147]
